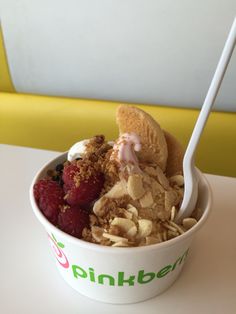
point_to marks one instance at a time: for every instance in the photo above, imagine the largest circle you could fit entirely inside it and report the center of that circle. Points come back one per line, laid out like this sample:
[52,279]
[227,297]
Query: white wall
[147,51]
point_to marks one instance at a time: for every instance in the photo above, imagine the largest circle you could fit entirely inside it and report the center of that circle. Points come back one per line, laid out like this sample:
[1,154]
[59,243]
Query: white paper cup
[119,275]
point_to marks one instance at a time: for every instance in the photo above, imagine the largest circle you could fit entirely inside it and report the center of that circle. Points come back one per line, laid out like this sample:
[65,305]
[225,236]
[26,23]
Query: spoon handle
[211,94]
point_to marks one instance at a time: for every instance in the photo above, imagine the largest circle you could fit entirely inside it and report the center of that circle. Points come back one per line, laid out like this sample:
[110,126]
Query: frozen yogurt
[124,193]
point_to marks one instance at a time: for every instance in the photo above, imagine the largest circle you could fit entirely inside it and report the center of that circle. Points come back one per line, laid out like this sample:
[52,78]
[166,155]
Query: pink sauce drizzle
[125,147]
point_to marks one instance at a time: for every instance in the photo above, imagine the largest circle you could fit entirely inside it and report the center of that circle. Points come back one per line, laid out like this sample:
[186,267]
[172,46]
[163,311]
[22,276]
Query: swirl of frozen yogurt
[77,150]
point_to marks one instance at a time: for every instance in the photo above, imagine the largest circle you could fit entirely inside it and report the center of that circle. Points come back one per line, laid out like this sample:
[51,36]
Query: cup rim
[117,250]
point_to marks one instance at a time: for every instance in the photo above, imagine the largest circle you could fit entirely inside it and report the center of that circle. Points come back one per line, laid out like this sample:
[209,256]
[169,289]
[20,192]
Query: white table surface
[30,282]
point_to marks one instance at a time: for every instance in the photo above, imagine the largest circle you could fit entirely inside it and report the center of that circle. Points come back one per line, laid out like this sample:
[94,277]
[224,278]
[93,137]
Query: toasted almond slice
[126,225]
[156,188]
[145,227]
[120,244]
[172,234]
[118,190]
[170,199]
[146,200]
[132,231]
[178,228]
[162,178]
[135,186]
[113,229]
[189,223]
[114,238]
[98,208]
[177,179]
[173,213]
[132,209]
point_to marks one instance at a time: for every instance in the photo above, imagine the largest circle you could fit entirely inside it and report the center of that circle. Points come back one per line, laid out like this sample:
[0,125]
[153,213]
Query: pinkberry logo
[57,250]
[122,278]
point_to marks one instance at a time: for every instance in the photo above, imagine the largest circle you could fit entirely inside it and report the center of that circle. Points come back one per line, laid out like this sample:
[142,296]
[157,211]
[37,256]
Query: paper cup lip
[118,250]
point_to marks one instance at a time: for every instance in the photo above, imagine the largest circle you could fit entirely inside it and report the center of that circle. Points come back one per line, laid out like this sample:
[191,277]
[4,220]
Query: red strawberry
[73,220]
[49,196]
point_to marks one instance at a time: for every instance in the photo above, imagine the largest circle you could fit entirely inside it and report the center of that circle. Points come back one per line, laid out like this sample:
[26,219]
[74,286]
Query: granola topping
[135,208]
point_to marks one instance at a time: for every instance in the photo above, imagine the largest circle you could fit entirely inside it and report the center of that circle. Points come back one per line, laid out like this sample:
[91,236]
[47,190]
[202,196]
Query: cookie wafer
[175,155]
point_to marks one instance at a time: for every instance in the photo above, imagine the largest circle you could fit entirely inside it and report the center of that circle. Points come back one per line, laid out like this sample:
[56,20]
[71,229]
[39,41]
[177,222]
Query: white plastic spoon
[190,172]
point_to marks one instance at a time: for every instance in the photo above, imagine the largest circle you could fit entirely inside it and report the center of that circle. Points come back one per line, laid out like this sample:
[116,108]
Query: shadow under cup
[119,275]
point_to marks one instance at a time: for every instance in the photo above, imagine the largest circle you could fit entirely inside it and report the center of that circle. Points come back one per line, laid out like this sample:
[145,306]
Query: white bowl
[119,275]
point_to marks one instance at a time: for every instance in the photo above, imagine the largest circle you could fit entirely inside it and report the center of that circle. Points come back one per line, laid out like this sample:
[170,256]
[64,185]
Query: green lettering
[121,279]
[91,274]
[141,277]
[164,271]
[78,272]
[110,279]
[180,259]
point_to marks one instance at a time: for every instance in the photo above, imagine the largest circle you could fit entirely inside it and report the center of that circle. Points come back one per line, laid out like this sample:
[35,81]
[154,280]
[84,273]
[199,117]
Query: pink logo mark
[59,254]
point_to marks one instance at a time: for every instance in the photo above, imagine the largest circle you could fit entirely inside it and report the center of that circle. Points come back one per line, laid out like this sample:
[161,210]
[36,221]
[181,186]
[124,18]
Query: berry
[86,192]
[79,190]
[69,173]
[49,196]
[73,220]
